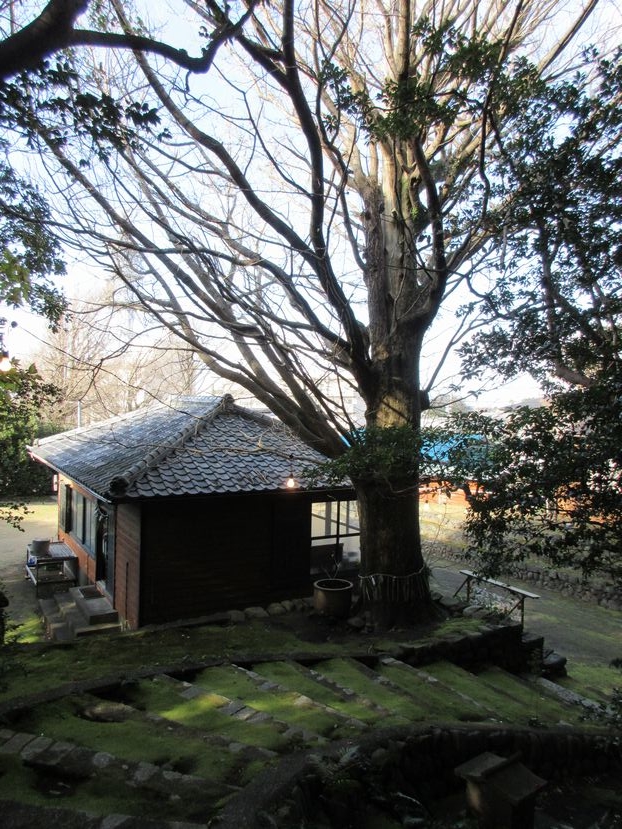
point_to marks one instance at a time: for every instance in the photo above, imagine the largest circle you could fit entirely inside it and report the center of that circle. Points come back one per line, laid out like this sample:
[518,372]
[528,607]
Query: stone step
[346,693]
[302,715]
[268,686]
[542,703]
[96,629]
[59,631]
[359,711]
[71,760]
[371,688]
[443,693]
[568,697]
[64,602]
[236,708]
[56,626]
[72,614]
[107,709]
[95,608]
[475,685]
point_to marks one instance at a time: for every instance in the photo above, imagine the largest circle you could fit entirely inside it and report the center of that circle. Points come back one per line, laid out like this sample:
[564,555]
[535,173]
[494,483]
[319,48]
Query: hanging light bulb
[291,482]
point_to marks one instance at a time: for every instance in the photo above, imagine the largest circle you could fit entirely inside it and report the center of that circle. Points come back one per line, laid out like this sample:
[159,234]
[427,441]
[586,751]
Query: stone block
[16,743]
[256,613]
[143,773]
[36,746]
[102,759]
[276,609]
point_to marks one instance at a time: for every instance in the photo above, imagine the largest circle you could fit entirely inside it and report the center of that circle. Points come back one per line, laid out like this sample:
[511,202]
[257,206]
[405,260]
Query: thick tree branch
[54,30]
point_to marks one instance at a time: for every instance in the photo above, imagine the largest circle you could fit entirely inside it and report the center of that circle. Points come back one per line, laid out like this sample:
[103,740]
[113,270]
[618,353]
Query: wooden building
[186,508]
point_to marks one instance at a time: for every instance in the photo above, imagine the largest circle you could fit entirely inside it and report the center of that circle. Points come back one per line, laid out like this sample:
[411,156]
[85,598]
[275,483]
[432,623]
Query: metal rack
[58,566]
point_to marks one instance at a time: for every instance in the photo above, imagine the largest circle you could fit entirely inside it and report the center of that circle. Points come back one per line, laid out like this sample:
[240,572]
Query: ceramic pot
[333,597]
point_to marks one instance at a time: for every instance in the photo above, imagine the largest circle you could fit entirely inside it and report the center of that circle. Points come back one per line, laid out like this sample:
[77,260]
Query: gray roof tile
[190,446]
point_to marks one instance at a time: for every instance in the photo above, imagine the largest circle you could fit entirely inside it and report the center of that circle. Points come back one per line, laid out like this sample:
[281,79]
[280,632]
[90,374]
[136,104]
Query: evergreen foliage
[22,395]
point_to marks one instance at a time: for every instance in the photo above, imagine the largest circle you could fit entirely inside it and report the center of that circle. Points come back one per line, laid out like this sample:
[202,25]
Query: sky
[24,341]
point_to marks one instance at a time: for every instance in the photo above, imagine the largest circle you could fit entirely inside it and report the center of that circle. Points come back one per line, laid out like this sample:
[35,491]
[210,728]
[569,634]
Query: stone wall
[411,766]
[503,644]
[570,585]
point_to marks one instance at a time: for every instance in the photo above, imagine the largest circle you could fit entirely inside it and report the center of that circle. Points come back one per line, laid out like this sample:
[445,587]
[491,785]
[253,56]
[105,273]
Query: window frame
[336,522]
[83,523]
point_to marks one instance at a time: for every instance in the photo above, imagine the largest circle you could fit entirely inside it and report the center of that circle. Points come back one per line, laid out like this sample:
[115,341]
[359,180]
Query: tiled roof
[191,446]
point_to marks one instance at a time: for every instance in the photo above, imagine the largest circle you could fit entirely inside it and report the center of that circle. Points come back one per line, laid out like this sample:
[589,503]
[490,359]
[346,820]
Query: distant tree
[22,396]
[546,483]
[107,359]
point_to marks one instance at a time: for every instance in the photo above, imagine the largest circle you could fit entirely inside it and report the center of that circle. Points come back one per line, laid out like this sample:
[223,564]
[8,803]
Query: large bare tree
[300,214]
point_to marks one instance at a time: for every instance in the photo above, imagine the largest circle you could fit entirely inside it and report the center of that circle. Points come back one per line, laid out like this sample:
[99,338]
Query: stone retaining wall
[570,585]
[403,764]
[504,645]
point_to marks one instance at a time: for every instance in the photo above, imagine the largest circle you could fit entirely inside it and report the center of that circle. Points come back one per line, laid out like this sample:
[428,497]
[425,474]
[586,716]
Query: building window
[84,521]
[65,508]
[335,528]
[77,515]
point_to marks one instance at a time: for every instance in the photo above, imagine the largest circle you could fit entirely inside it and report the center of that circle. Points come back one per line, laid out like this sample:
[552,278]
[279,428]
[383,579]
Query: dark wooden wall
[221,552]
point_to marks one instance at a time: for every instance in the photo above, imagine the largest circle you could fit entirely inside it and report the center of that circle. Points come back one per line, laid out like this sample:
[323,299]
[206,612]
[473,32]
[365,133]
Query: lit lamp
[291,482]
[5,362]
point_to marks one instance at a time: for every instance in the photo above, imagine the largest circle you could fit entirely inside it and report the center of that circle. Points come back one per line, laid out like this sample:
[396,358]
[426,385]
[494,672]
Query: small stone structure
[501,792]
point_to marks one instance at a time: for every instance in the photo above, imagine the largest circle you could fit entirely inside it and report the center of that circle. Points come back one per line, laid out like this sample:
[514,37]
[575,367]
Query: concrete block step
[48,607]
[95,608]
[64,603]
[59,631]
[56,626]
[81,611]
[73,617]
[94,629]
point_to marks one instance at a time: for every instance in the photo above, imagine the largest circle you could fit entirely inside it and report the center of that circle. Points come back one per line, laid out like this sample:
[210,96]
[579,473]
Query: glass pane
[348,518]
[334,518]
[318,520]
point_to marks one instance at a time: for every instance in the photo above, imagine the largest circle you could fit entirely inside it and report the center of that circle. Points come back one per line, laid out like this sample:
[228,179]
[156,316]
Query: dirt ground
[20,591]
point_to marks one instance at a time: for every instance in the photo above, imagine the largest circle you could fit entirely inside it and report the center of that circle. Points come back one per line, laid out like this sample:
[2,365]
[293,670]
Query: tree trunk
[394,576]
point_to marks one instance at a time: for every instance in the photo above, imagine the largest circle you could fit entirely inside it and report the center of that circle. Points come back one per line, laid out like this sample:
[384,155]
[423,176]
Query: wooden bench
[521,594]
